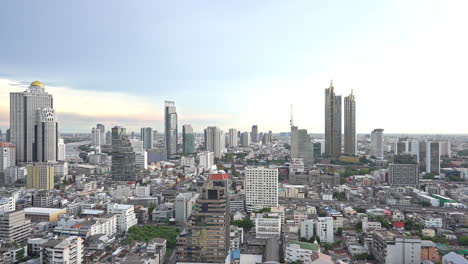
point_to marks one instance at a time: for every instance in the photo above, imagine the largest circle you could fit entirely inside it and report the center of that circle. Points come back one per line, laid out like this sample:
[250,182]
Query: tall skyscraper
[245,139]
[350,125]
[40,176]
[206,238]
[24,117]
[96,139]
[61,152]
[302,145]
[46,140]
[188,139]
[254,134]
[232,142]
[147,137]
[377,144]
[429,157]
[215,141]
[124,166]
[332,122]
[261,187]
[103,135]
[170,127]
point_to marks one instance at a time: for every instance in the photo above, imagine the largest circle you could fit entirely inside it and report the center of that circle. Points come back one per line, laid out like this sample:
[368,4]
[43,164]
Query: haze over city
[239,63]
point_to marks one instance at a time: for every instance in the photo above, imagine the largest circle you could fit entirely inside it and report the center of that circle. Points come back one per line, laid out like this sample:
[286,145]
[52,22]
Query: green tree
[463,241]
[245,223]
[363,256]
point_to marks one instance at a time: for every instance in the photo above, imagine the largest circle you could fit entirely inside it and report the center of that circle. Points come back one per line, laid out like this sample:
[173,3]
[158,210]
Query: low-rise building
[300,251]
[37,214]
[126,217]
[62,250]
[267,225]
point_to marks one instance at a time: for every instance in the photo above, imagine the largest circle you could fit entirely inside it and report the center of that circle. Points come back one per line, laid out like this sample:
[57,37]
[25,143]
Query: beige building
[37,214]
[40,176]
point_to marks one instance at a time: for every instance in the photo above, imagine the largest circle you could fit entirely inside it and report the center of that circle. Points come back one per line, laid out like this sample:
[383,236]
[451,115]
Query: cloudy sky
[238,63]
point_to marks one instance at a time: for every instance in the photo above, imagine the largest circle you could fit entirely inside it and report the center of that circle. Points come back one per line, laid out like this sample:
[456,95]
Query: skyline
[231,73]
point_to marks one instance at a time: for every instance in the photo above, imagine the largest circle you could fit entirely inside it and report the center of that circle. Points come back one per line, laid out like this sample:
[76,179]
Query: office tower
[7,156]
[46,138]
[170,127]
[8,134]
[350,125]
[214,141]
[188,139]
[63,250]
[146,134]
[404,171]
[141,156]
[23,119]
[102,128]
[232,139]
[429,157]
[254,134]
[15,227]
[302,146]
[393,247]
[445,148]
[206,238]
[40,176]
[434,155]
[324,229]
[205,160]
[332,122]
[377,145]
[266,138]
[96,139]
[245,139]
[124,167]
[61,150]
[261,188]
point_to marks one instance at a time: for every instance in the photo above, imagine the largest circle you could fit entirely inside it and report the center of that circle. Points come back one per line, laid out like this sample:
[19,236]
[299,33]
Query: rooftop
[44,211]
[305,245]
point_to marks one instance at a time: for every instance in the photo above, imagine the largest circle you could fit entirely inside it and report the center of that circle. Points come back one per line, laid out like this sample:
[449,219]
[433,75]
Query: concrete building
[124,167]
[46,130]
[40,176]
[37,214]
[13,174]
[15,226]
[184,203]
[126,217]
[24,118]
[429,157]
[350,146]
[188,139]
[254,134]
[232,138]
[297,251]
[146,134]
[206,238]
[391,247]
[377,145]
[302,146]
[245,139]
[403,174]
[206,160]
[332,122]
[215,141]
[324,229]
[261,187]
[267,225]
[170,127]
[445,148]
[63,250]
[7,156]
[61,150]
[307,229]
[141,156]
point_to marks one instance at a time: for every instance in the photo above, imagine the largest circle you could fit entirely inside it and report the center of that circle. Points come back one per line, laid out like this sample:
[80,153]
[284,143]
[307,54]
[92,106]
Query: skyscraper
[254,134]
[214,141]
[61,150]
[429,157]
[124,166]
[170,127]
[103,135]
[302,145]
[40,176]
[377,144]
[23,119]
[261,187]
[232,142]
[245,139]
[7,159]
[96,139]
[332,122]
[350,125]
[188,139]
[147,137]
[46,138]
[206,238]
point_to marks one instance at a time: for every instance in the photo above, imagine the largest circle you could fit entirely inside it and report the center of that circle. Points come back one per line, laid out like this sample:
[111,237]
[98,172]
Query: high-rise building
[254,134]
[429,157]
[350,125]
[61,150]
[40,176]
[445,148]
[103,135]
[141,156]
[245,139]
[183,206]
[393,247]
[96,139]
[377,145]
[7,156]
[332,122]
[108,138]
[8,135]
[214,141]
[266,138]
[205,160]
[126,217]
[324,229]
[46,140]
[188,139]
[24,115]
[404,171]
[170,127]
[147,137]
[63,250]
[15,227]
[124,166]
[206,238]
[302,145]
[261,187]
[232,138]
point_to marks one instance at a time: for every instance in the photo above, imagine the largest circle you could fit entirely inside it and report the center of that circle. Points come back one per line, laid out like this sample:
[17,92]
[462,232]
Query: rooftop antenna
[291,121]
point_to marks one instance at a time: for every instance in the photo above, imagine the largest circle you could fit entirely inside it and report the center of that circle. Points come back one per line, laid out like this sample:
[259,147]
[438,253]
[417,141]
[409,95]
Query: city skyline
[384,60]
